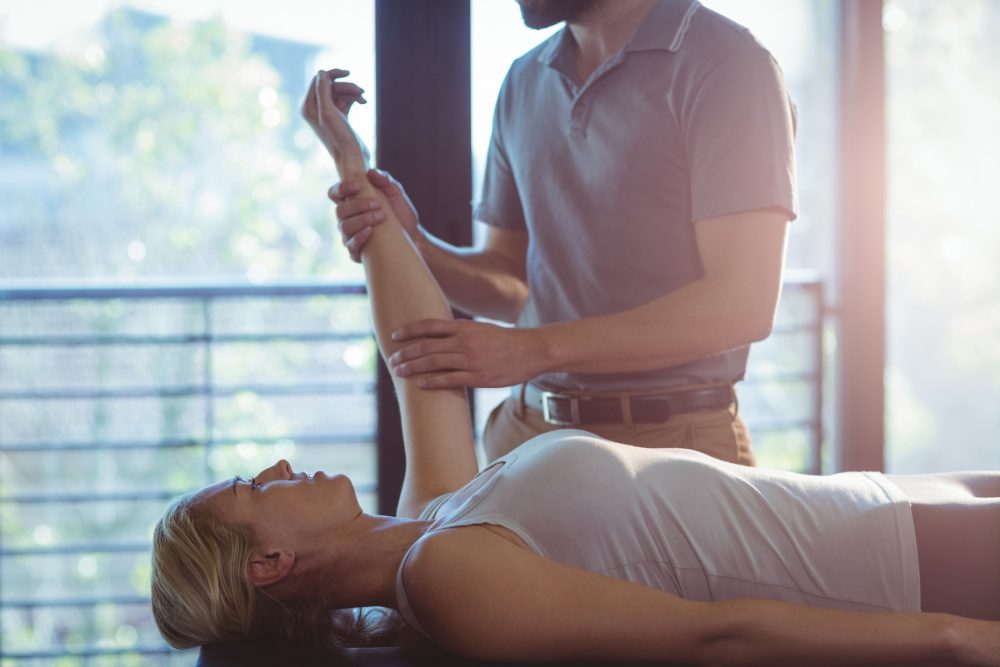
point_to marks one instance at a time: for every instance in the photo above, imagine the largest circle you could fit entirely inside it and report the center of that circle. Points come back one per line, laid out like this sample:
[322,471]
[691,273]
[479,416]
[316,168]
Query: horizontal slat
[181,391]
[182,339]
[90,652]
[340,438]
[114,496]
[13,291]
[89,496]
[94,547]
[88,601]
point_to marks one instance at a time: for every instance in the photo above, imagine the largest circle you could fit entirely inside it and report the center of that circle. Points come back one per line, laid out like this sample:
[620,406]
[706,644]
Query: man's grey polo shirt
[688,121]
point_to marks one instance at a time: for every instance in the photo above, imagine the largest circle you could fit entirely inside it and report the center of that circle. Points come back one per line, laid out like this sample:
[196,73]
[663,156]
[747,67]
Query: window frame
[422,128]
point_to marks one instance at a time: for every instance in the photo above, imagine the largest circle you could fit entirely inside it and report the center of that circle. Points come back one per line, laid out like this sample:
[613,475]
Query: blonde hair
[202,594]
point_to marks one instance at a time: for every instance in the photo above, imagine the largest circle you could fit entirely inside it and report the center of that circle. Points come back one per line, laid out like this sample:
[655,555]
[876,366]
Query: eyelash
[253,483]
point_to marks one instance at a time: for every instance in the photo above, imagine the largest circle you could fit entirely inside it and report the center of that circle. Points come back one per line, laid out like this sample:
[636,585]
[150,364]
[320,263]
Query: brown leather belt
[566,410]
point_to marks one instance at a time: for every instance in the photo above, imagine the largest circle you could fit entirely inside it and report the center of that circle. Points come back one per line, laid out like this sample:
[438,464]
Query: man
[637,193]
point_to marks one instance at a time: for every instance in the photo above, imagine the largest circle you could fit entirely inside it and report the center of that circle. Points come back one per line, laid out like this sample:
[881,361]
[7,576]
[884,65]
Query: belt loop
[626,402]
[519,408]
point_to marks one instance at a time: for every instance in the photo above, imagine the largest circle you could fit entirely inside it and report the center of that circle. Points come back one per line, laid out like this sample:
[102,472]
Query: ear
[271,566]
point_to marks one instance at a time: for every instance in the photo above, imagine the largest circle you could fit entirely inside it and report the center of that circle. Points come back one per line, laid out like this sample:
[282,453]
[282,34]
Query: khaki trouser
[718,433]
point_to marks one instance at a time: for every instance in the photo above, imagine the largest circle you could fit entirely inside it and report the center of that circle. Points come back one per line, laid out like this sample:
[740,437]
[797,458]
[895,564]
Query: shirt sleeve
[739,138]
[500,203]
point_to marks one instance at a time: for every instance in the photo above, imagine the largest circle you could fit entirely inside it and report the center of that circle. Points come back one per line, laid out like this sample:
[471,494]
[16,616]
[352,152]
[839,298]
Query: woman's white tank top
[694,526]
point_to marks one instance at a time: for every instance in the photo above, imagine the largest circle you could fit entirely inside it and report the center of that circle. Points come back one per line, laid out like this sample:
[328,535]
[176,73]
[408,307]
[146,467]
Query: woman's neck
[366,555]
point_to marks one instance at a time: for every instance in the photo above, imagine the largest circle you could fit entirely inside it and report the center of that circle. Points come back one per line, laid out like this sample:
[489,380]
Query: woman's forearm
[776,633]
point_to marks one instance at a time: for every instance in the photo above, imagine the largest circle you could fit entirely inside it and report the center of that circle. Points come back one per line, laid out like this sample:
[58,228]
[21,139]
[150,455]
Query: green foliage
[161,149]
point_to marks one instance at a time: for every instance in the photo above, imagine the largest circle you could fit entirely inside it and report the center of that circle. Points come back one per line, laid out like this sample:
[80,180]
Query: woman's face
[283,505]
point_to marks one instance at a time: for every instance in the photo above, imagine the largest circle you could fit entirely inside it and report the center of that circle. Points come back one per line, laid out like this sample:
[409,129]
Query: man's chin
[538,14]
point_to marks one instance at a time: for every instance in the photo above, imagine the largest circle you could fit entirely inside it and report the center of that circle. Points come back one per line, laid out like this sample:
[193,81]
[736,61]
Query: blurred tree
[158,149]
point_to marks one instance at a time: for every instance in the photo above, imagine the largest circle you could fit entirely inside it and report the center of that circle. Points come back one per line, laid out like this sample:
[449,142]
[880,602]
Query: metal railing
[782,397]
[45,328]
[56,326]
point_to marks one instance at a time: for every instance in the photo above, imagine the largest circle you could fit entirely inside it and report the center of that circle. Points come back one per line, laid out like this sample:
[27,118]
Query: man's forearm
[700,319]
[475,281]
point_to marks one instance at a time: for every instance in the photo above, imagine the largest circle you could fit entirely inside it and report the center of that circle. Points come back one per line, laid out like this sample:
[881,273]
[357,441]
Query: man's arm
[484,597]
[488,281]
[733,304]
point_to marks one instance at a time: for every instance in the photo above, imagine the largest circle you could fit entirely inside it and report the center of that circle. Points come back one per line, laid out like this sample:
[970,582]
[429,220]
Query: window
[943,356]
[159,143]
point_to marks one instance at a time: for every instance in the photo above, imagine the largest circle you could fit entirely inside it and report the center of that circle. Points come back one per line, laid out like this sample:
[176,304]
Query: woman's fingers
[342,93]
[347,88]
[344,102]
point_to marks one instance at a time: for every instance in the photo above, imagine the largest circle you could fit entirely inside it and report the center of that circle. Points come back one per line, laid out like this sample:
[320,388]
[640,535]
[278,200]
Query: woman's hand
[325,108]
[977,642]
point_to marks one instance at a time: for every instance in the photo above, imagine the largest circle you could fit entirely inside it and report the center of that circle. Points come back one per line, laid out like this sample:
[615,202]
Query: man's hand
[465,353]
[356,216]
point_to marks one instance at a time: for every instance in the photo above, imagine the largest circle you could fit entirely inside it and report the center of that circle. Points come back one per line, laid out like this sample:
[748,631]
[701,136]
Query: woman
[515,563]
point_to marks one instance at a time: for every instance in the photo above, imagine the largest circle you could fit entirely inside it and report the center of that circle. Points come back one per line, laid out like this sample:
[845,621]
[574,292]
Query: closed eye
[252,482]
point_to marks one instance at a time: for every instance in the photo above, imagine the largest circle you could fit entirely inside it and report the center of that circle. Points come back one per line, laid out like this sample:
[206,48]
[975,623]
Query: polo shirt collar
[663,29]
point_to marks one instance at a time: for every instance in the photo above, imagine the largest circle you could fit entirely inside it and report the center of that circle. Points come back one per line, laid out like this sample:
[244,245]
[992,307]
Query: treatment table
[248,654]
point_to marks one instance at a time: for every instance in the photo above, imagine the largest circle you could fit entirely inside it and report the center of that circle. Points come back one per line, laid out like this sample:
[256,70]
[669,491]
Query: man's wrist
[548,349]
[422,240]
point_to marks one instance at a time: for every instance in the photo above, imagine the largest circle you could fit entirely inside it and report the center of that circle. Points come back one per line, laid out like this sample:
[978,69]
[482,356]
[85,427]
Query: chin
[344,489]
[538,14]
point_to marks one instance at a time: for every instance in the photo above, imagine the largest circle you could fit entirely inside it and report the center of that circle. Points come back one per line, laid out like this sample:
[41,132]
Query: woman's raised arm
[437,428]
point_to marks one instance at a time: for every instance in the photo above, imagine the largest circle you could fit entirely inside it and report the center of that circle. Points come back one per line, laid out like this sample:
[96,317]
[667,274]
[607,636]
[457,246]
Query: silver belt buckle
[574,409]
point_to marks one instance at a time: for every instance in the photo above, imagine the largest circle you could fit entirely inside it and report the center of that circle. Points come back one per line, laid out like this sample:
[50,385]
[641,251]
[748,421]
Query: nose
[280,470]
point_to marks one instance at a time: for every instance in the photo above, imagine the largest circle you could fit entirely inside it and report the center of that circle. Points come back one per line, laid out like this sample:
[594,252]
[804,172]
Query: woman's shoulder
[447,571]
[436,557]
